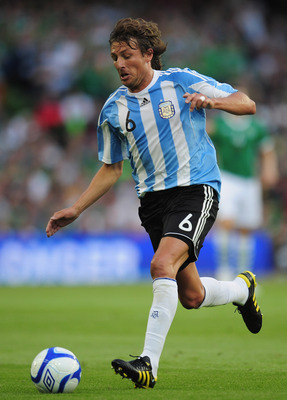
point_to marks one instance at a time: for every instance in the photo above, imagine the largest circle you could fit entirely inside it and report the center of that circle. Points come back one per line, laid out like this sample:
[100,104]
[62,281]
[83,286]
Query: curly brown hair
[145,34]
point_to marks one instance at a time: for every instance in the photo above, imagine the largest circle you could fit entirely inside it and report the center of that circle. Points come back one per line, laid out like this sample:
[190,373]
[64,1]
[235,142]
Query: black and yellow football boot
[139,371]
[250,312]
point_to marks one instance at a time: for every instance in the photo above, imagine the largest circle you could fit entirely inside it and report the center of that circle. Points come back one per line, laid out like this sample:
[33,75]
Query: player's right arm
[237,103]
[104,179]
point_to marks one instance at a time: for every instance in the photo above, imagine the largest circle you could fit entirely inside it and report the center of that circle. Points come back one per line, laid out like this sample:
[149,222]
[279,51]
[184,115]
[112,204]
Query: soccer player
[156,119]
[247,159]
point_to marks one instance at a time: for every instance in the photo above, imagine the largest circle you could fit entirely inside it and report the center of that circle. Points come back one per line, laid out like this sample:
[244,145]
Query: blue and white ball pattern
[56,370]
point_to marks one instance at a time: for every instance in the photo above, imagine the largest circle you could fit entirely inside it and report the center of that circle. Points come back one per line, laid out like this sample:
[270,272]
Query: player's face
[134,68]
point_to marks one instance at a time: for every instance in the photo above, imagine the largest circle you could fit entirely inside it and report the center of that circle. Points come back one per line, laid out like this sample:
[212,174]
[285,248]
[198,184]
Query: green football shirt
[238,141]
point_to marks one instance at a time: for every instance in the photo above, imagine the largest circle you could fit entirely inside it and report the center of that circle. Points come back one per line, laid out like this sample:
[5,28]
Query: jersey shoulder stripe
[121,91]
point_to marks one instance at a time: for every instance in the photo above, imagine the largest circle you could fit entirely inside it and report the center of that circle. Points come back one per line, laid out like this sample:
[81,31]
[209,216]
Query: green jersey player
[246,157]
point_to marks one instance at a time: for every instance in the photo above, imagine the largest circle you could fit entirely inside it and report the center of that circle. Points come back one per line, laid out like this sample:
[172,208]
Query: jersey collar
[156,75]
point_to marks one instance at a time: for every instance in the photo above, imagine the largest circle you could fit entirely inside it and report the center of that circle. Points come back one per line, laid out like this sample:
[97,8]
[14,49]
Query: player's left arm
[237,103]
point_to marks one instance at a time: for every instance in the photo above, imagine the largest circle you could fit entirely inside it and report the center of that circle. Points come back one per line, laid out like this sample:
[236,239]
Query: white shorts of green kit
[241,201]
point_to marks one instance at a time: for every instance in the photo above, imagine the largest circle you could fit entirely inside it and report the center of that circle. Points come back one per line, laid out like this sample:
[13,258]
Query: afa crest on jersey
[166,109]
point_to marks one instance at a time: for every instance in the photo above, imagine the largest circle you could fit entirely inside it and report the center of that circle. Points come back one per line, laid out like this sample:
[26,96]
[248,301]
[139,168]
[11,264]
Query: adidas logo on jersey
[145,101]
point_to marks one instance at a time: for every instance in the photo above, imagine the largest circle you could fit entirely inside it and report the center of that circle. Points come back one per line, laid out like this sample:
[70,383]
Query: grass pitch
[209,353]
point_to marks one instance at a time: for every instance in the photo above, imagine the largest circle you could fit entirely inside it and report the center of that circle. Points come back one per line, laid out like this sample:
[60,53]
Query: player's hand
[198,100]
[61,219]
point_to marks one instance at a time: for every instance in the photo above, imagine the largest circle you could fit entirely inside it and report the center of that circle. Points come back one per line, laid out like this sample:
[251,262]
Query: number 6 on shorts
[185,224]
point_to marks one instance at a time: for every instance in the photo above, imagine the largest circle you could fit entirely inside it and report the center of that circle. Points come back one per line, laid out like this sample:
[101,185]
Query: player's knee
[161,267]
[192,301]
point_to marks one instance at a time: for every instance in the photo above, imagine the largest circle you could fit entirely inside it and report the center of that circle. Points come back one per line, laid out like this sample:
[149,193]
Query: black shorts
[185,212]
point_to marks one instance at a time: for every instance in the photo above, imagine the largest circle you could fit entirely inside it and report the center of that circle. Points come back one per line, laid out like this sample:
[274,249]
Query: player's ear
[149,54]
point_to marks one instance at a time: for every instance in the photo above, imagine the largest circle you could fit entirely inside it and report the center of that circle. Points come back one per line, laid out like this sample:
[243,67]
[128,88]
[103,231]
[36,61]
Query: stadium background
[55,74]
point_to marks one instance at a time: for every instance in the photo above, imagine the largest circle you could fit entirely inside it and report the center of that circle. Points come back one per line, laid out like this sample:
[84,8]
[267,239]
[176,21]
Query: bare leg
[190,289]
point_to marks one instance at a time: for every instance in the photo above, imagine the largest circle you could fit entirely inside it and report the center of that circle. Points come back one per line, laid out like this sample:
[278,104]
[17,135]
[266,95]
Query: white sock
[246,251]
[162,312]
[222,292]
[222,246]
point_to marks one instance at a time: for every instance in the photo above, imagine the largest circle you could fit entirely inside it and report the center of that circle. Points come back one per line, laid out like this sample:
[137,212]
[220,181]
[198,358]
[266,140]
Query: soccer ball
[56,370]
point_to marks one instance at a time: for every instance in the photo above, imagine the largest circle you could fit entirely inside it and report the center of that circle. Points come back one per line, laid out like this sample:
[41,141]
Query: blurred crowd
[56,73]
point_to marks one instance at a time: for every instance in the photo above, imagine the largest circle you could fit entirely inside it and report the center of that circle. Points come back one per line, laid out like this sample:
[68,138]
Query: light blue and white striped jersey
[166,144]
